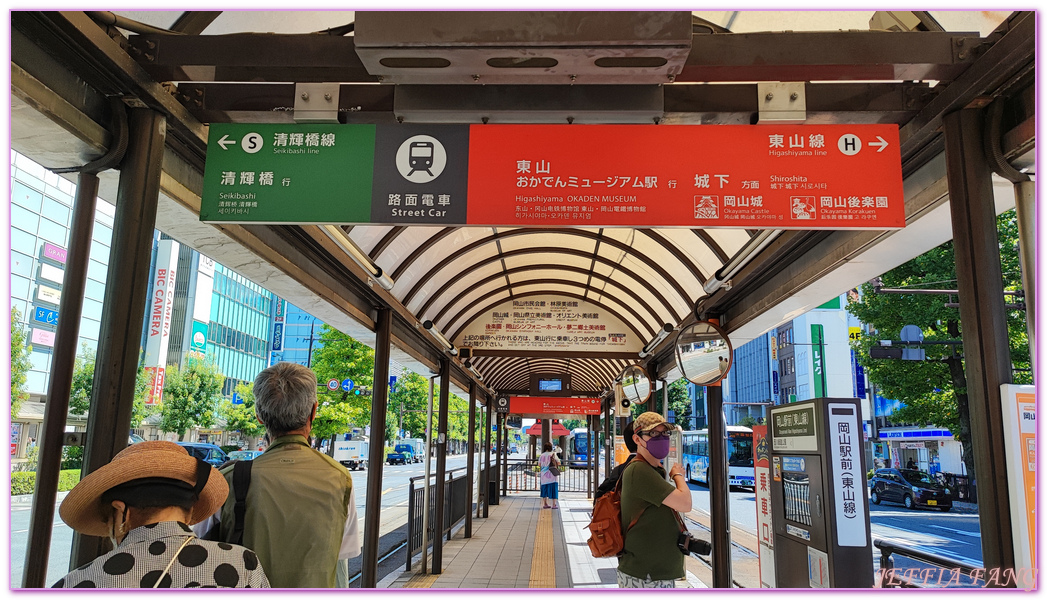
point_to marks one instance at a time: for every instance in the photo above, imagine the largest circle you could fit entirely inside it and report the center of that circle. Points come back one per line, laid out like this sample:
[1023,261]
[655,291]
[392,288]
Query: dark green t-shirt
[650,546]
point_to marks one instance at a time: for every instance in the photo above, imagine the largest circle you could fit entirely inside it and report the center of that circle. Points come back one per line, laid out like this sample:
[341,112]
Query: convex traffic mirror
[703,353]
[636,385]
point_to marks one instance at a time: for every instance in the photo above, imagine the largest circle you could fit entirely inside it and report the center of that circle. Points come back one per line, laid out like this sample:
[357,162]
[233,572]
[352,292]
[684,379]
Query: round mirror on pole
[703,353]
[636,385]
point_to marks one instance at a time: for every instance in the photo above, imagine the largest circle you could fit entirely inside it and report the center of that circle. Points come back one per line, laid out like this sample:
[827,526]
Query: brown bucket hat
[82,508]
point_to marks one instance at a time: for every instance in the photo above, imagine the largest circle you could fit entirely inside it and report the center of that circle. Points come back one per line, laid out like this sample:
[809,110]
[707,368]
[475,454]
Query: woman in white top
[549,484]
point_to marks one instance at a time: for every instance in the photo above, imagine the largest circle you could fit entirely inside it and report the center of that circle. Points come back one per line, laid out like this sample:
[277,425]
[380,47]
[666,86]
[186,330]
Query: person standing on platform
[652,558]
[549,483]
[300,515]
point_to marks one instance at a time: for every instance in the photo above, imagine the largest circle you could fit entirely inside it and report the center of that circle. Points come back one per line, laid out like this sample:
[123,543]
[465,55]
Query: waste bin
[492,492]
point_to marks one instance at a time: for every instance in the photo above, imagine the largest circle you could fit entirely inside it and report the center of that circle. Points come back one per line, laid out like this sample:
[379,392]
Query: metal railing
[456,505]
[523,476]
[889,577]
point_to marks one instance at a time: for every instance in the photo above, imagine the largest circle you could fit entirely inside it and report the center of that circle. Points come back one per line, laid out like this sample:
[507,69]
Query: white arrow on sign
[882,143]
[225,141]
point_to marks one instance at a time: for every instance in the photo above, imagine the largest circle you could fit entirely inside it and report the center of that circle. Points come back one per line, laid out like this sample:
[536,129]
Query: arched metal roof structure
[203,67]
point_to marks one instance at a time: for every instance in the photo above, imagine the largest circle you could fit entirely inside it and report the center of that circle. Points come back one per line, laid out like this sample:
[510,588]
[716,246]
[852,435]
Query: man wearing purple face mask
[651,557]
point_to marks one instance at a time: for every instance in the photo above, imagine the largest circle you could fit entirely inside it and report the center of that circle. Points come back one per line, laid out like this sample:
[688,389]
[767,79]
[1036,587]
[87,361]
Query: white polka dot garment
[141,557]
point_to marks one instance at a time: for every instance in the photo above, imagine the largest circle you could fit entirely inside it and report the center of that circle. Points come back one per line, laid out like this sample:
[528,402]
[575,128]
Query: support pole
[376,454]
[982,312]
[1025,209]
[123,307]
[718,490]
[590,450]
[487,460]
[425,488]
[469,468]
[441,465]
[64,358]
[503,458]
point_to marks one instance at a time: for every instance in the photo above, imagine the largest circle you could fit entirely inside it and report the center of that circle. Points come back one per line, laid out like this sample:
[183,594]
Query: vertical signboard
[198,342]
[277,332]
[161,303]
[818,359]
[764,526]
[1019,428]
[16,434]
[844,441]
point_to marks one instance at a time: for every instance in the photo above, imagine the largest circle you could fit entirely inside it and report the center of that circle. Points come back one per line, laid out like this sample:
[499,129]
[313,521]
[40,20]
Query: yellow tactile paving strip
[421,581]
[543,567]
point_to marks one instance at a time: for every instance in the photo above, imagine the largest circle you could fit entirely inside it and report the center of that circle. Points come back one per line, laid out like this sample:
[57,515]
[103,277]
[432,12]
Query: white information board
[844,439]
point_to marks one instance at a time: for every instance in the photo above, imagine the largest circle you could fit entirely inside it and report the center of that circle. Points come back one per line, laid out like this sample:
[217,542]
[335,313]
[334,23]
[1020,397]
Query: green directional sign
[288,173]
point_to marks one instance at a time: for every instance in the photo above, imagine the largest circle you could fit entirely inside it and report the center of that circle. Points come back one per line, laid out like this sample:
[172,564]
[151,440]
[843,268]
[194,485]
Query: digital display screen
[550,385]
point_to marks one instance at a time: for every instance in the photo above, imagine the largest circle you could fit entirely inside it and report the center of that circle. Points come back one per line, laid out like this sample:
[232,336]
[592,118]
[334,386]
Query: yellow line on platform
[421,581]
[543,567]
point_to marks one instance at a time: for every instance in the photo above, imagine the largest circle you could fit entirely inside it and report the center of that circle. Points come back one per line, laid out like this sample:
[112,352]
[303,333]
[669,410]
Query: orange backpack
[608,538]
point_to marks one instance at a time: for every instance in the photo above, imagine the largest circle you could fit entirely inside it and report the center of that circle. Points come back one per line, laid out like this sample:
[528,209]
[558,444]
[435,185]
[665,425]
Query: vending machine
[818,495]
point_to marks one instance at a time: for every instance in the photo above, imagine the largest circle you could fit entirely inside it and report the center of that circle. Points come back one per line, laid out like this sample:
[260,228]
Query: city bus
[578,447]
[739,456]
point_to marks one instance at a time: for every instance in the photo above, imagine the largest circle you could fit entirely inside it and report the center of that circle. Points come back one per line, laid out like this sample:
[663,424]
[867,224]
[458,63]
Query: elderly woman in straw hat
[144,501]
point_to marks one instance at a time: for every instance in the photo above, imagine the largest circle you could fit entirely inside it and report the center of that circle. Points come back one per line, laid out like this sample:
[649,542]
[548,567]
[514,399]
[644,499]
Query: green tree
[242,417]
[191,396]
[20,364]
[83,380]
[339,356]
[407,400]
[679,403]
[934,390]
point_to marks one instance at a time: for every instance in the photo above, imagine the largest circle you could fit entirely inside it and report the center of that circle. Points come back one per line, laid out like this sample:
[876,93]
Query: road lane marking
[958,532]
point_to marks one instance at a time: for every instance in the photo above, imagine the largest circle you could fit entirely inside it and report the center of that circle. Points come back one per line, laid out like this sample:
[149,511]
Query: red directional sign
[764,176]
[553,406]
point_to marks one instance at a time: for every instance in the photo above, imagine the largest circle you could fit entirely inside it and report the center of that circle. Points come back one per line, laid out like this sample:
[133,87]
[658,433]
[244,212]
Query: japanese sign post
[738,176]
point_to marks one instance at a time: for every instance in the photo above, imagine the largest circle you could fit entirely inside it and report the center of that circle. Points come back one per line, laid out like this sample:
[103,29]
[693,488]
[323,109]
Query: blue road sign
[237,398]
[347,385]
[45,315]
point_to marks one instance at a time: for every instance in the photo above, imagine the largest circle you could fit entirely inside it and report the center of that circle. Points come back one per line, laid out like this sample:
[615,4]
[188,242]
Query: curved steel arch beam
[579,270]
[385,241]
[711,243]
[566,294]
[551,250]
[515,232]
[420,250]
[675,251]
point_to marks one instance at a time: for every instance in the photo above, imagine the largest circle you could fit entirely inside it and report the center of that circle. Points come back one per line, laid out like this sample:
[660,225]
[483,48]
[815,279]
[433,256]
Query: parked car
[206,452]
[244,454]
[909,487]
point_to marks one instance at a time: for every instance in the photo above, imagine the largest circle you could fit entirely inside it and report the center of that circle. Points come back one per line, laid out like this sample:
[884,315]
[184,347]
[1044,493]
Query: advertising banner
[48,294]
[818,360]
[55,253]
[52,273]
[737,176]
[161,303]
[43,337]
[198,342]
[764,524]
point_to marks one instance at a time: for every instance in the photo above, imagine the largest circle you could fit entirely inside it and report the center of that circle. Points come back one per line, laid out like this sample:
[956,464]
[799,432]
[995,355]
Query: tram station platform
[522,545]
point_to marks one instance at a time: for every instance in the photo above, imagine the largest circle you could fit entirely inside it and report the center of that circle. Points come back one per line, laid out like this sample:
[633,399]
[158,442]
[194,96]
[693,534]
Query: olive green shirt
[650,546]
[297,506]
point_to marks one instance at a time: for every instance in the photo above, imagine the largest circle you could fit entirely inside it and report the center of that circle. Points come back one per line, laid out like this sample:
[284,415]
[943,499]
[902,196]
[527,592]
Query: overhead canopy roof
[214,70]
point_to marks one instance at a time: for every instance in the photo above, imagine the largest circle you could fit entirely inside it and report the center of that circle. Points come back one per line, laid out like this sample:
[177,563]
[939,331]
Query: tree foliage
[407,400]
[83,381]
[191,396]
[934,390]
[20,364]
[242,417]
[339,356]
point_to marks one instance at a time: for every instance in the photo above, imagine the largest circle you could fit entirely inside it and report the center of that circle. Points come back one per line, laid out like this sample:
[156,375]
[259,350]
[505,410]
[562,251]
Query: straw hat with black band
[156,473]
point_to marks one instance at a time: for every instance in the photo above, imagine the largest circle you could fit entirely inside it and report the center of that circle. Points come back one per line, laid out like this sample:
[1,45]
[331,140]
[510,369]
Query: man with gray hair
[300,510]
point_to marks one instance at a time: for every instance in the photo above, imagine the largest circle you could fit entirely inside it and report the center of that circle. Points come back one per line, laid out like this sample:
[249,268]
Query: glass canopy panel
[567,260]
[562,239]
[367,237]
[458,287]
[448,243]
[456,304]
[552,273]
